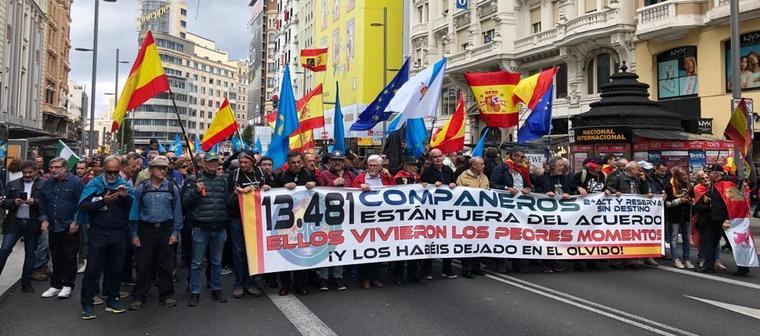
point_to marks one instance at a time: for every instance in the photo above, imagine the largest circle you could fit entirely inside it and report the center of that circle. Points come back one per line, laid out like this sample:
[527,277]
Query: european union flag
[539,122]
[287,122]
[375,112]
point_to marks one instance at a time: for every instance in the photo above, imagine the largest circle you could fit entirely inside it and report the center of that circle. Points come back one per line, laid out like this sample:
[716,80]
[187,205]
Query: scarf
[523,170]
[99,185]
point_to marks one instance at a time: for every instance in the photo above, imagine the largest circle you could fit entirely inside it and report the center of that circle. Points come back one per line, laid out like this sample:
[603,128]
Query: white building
[200,75]
[587,39]
[22,67]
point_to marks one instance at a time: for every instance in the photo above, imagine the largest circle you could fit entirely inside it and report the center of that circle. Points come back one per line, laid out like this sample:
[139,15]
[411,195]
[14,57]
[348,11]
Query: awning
[673,135]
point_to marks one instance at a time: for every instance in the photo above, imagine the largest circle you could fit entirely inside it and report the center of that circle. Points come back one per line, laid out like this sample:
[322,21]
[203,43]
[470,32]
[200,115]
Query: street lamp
[385,57]
[94,51]
[116,96]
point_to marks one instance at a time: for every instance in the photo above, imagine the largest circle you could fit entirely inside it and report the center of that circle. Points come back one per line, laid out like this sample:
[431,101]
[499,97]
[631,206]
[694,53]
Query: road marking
[751,312]
[591,306]
[709,277]
[307,323]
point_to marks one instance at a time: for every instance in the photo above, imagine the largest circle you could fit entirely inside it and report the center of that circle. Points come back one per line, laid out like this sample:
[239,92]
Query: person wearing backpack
[160,210]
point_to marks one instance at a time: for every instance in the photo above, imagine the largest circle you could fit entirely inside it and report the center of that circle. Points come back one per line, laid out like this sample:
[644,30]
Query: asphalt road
[648,301]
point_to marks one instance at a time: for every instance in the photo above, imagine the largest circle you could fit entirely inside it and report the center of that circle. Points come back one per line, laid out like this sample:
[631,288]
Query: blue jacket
[159,205]
[59,201]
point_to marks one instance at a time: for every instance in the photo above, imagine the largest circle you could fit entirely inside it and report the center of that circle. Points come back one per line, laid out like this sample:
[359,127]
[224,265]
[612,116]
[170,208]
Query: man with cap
[590,180]
[243,180]
[160,208]
[206,197]
[406,175]
[335,176]
[295,175]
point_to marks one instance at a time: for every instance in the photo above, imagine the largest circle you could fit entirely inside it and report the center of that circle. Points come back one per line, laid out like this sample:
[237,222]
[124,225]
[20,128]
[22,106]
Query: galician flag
[66,153]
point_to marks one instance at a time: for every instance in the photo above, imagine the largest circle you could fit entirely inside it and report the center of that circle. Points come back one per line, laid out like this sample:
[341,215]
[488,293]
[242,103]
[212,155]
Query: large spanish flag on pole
[311,112]
[146,79]
[737,129]
[451,138]
[314,59]
[493,95]
[530,90]
[222,126]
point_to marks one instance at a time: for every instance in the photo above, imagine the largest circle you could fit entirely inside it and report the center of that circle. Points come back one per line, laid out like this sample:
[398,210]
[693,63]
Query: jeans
[42,253]
[155,259]
[685,229]
[324,272]
[63,249]
[20,228]
[106,256]
[239,258]
[214,241]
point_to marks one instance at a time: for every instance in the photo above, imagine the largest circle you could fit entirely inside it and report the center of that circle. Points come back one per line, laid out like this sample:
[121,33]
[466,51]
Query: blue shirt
[159,205]
[59,201]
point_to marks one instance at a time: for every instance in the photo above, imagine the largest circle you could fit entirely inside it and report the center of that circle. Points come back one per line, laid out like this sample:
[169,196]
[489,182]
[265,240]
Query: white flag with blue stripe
[419,96]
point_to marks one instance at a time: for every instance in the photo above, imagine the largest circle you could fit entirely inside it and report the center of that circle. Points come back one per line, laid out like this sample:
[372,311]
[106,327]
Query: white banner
[300,229]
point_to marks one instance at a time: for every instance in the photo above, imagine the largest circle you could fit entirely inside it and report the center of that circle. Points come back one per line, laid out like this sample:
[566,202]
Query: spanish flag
[311,112]
[314,59]
[301,142]
[493,95]
[272,118]
[146,79]
[222,126]
[451,138]
[737,129]
[530,90]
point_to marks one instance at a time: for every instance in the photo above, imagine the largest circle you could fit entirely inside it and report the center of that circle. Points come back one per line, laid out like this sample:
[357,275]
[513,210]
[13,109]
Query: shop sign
[705,125]
[606,134]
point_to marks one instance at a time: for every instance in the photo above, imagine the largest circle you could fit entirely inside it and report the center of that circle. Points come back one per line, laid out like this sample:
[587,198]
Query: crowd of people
[132,220]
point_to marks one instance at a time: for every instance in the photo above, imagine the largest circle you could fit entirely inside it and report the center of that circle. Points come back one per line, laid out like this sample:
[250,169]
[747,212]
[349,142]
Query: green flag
[66,153]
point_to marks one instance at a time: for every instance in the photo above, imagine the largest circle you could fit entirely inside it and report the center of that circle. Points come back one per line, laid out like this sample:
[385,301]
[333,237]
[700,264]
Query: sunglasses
[183,167]
[112,172]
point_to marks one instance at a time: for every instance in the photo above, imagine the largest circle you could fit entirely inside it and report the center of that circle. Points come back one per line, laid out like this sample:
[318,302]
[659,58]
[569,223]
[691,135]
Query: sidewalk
[12,272]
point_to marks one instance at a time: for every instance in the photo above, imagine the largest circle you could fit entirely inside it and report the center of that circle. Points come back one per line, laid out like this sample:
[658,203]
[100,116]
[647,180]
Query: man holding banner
[438,174]
[473,178]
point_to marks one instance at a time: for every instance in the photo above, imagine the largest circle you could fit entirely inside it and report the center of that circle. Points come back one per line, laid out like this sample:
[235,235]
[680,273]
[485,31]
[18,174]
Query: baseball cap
[337,155]
[645,165]
[210,157]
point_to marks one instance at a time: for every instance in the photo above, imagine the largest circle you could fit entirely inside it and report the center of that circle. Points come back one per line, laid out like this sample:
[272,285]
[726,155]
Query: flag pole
[184,133]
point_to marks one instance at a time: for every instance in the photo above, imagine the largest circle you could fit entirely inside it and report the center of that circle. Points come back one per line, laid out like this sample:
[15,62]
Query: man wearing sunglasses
[107,205]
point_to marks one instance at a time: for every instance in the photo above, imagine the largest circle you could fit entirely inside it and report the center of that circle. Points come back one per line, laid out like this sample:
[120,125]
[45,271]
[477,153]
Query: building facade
[56,72]
[77,107]
[682,52]
[257,60]
[23,67]
[587,39]
[200,76]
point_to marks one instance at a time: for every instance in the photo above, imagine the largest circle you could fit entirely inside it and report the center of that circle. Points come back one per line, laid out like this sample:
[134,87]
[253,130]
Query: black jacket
[546,183]
[238,178]
[300,179]
[501,178]
[676,213]
[490,164]
[12,192]
[625,184]
[432,175]
[591,183]
[210,212]
[106,217]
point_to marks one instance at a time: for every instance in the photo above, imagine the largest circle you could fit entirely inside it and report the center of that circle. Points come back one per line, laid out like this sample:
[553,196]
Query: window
[652,2]
[598,71]
[560,81]
[590,6]
[183,23]
[203,114]
[449,101]
[183,11]
[749,49]
[488,36]
[203,90]
[535,20]
[677,72]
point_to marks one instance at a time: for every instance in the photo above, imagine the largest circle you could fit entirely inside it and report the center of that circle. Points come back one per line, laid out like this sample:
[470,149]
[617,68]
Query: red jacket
[387,179]
[326,178]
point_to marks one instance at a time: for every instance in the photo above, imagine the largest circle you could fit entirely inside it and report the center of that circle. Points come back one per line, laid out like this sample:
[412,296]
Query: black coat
[501,178]
[12,192]
[680,213]
[210,212]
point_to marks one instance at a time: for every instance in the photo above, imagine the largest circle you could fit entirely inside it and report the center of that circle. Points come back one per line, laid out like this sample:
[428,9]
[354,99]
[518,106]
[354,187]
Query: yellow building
[353,33]
[682,52]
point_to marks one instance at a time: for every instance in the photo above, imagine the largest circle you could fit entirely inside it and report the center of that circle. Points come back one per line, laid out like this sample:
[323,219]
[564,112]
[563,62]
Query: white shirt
[23,209]
[373,181]
[517,180]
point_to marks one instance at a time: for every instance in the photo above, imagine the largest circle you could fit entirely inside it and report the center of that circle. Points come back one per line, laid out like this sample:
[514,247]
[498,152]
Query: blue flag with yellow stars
[375,112]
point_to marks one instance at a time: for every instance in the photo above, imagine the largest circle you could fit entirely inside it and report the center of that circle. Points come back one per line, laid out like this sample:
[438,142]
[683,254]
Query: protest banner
[301,229]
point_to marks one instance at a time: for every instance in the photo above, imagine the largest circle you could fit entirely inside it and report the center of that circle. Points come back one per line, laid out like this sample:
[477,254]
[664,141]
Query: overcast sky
[224,21]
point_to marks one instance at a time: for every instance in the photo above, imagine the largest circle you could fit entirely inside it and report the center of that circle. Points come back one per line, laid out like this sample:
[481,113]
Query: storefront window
[749,53]
[677,72]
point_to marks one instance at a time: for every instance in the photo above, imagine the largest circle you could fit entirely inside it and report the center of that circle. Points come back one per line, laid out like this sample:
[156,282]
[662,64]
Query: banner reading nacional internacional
[300,229]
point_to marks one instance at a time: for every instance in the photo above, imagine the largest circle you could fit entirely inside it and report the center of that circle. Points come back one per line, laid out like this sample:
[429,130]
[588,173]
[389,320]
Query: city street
[662,301]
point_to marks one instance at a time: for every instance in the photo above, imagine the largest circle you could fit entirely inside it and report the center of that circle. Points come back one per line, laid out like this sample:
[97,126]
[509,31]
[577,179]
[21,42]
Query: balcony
[419,29]
[669,20]
[538,40]
[722,10]
[440,23]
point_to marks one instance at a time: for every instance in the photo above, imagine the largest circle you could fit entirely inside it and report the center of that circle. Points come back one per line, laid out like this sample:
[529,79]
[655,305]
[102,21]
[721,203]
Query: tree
[248,135]
[128,144]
